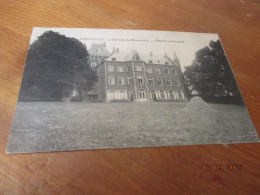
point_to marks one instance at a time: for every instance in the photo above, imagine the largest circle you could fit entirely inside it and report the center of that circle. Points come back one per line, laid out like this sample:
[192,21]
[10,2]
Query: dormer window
[113,59]
[166,63]
[150,61]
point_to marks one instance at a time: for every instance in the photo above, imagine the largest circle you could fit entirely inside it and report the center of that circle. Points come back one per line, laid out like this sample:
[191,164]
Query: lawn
[56,126]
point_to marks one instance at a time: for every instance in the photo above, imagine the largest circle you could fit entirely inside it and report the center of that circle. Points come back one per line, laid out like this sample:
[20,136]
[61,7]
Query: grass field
[48,126]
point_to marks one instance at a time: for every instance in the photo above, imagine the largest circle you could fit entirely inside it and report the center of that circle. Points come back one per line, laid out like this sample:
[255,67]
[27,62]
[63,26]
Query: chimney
[105,44]
[165,54]
[117,50]
[151,53]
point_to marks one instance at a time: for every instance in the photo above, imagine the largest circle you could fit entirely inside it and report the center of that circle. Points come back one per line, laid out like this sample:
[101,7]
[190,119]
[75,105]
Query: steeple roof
[99,50]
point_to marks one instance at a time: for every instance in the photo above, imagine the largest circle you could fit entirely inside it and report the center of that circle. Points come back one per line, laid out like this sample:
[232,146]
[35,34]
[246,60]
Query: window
[174,72]
[166,63]
[149,70]
[162,94]
[151,82]
[140,80]
[93,85]
[119,95]
[168,81]
[160,82]
[180,95]
[110,95]
[121,81]
[176,81]
[171,95]
[93,64]
[138,68]
[128,68]
[120,69]
[150,61]
[152,95]
[110,68]
[113,59]
[141,94]
[166,71]
[157,71]
[129,80]
[111,80]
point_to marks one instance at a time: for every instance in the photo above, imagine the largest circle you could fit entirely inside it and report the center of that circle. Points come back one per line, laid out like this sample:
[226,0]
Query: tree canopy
[55,67]
[210,74]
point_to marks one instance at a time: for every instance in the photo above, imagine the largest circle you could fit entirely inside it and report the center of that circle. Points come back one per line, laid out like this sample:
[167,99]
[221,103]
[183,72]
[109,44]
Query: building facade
[97,54]
[140,78]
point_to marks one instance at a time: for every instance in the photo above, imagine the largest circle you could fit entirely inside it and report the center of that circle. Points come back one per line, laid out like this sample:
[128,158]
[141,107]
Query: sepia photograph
[105,88]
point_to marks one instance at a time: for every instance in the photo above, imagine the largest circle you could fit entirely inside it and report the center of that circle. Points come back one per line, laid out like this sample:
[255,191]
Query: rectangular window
[157,71]
[162,94]
[110,68]
[129,80]
[174,72]
[141,94]
[160,83]
[128,68]
[117,94]
[111,80]
[176,81]
[152,95]
[93,64]
[110,95]
[120,69]
[121,81]
[150,62]
[180,95]
[93,85]
[138,68]
[166,71]
[149,70]
[168,81]
[171,95]
[166,63]
[140,80]
[151,82]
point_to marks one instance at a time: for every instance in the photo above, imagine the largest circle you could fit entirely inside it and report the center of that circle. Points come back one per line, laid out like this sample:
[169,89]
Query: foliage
[210,74]
[56,66]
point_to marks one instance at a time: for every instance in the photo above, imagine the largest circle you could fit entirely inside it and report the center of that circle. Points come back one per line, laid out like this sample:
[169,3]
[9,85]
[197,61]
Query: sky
[184,44]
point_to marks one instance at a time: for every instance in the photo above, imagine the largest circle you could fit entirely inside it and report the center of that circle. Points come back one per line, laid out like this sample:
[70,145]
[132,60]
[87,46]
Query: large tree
[210,73]
[55,67]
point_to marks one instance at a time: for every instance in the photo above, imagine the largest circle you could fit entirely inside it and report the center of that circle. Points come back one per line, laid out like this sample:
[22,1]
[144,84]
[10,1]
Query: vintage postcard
[104,88]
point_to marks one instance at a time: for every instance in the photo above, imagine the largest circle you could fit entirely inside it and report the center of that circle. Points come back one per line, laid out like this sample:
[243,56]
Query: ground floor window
[162,94]
[180,95]
[167,95]
[117,94]
[141,94]
[171,95]
[152,95]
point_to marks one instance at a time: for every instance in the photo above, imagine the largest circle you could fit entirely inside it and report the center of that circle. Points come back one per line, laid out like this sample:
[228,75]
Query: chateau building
[135,77]
[97,54]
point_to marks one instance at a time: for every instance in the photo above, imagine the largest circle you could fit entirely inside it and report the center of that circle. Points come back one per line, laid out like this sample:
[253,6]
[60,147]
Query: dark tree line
[210,76]
[55,67]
